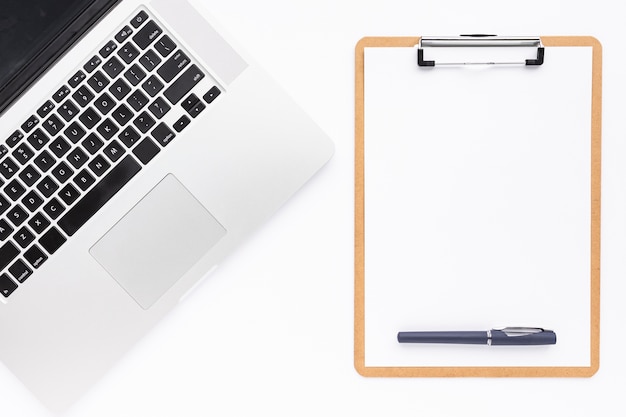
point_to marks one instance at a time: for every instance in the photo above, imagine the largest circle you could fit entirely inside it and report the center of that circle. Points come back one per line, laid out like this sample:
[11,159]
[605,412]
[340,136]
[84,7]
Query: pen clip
[522,336]
[520,331]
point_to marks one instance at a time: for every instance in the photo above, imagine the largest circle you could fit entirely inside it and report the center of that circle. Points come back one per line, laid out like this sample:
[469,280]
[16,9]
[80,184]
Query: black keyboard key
[211,94]
[35,256]
[107,129]
[165,46]
[197,109]
[53,125]
[15,138]
[53,208]
[38,139]
[114,151]
[107,49]
[14,190]
[102,192]
[8,168]
[32,201]
[30,124]
[92,143]
[92,64]
[52,240]
[129,136]
[8,252]
[74,132]
[90,118]
[128,52]
[47,186]
[20,271]
[29,175]
[189,102]
[146,150]
[39,223]
[150,60]
[76,79]
[77,157]
[163,134]
[173,66]
[98,81]
[4,204]
[44,161]
[99,165]
[17,215]
[147,34]
[68,110]
[23,153]
[183,85]
[83,96]
[137,100]
[61,94]
[60,147]
[135,74]
[69,194]
[122,114]
[181,123]
[139,20]
[84,179]
[123,34]
[152,86]
[24,237]
[5,230]
[105,103]
[45,108]
[113,67]
[144,122]
[3,150]
[119,89]
[159,108]
[62,172]
[7,285]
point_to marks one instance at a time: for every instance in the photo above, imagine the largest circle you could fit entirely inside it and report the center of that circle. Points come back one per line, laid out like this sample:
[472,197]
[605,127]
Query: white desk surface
[271,332]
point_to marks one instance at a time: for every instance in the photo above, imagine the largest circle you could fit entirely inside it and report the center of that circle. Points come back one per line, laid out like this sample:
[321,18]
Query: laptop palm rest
[157,241]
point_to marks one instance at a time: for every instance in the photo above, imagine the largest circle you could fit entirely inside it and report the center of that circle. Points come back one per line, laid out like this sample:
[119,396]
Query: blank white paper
[477,206]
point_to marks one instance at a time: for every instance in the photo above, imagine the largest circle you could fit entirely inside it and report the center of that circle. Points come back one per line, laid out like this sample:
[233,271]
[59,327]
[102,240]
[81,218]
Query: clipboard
[438,147]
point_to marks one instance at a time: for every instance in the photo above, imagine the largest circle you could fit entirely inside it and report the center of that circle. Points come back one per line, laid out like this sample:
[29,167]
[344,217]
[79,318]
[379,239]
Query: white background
[271,331]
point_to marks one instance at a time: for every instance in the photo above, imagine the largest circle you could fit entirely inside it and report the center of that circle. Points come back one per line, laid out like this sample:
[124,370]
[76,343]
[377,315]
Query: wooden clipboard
[362,365]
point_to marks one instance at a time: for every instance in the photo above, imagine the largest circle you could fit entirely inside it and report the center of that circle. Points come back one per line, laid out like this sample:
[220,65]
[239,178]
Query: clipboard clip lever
[480,41]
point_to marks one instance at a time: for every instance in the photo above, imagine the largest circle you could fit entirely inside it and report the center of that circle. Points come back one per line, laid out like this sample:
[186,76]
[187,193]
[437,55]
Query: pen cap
[520,337]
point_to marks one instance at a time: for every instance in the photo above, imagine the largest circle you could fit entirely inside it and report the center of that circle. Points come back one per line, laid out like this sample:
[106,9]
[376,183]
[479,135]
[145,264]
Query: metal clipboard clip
[482,42]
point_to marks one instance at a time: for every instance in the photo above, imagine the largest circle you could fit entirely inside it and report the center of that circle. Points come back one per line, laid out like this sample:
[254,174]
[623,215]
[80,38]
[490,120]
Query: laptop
[138,147]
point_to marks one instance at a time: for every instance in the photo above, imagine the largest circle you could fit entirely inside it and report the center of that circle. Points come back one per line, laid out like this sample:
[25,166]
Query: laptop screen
[33,33]
[27,26]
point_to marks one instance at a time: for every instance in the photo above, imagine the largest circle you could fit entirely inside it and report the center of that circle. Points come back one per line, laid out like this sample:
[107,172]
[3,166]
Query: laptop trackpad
[157,241]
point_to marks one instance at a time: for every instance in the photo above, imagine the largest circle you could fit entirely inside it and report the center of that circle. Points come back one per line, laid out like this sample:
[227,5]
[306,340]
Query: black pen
[508,336]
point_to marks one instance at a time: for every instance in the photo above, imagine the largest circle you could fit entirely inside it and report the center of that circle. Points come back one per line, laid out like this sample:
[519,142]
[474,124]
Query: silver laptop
[132,161]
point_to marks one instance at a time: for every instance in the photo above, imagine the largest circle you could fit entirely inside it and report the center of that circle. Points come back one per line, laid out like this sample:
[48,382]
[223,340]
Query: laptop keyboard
[113,116]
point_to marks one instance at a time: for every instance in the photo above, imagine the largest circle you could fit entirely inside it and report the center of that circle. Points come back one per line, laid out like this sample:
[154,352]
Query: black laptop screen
[33,33]
[28,26]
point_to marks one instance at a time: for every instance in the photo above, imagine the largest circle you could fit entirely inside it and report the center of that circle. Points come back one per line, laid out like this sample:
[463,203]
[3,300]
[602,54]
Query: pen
[508,336]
